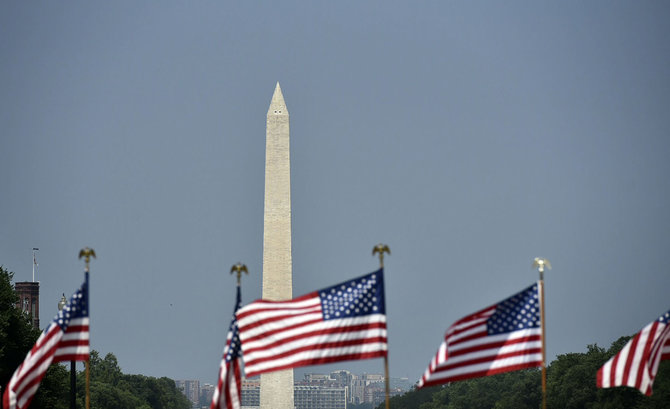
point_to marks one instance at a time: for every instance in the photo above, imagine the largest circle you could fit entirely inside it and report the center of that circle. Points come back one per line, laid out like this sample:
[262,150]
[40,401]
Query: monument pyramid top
[277,104]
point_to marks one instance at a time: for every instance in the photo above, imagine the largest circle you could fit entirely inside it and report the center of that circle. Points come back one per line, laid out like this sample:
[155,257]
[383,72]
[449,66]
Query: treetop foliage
[111,388]
[571,384]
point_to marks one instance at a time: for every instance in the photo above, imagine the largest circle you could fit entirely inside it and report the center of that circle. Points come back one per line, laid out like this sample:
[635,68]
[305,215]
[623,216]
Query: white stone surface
[277,387]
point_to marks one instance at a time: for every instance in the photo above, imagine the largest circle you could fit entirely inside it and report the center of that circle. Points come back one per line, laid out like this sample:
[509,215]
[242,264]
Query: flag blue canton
[355,298]
[77,307]
[233,350]
[521,311]
[665,318]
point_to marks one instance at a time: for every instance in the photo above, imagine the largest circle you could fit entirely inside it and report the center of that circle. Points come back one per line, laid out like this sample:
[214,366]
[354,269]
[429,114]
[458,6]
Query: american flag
[637,362]
[228,389]
[66,338]
[343,322]
[74,346]
[501,338]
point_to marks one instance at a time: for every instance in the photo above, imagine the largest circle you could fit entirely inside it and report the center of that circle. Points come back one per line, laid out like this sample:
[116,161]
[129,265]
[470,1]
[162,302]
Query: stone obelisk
[277,387]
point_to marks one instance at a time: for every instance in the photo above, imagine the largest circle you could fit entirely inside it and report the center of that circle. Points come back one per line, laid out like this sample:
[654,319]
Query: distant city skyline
[354,393]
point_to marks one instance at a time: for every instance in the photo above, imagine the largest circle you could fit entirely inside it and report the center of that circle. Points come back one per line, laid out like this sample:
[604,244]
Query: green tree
[365,405]
[54,389]
[660,399]
[571,378]
[512,390]
[571,384]
[17,337]
[108,396]
[112,389]
[410,400]
[105,370]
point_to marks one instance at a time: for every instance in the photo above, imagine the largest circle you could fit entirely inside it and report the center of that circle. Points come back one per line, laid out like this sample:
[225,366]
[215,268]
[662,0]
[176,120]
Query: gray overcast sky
[468,136]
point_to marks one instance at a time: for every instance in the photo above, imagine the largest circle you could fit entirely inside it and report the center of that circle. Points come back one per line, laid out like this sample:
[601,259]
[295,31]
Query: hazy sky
[470,137]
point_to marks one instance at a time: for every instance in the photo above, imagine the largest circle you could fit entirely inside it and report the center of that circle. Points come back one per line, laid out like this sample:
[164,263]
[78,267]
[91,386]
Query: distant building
[251,393]
[316,391]
[190,388]
[343,378]
[366,388]
[29,300]
[316,379]
[375,393]
[206,394]
[371,378]
[336,390]
[319,397]
[401,384]
[371,388]
[357,390]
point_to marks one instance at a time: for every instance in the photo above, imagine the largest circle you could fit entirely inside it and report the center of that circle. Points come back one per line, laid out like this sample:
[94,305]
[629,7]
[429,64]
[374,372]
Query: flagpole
[229,371]
[34,262]
[381,249]
[86,253]
[541,264]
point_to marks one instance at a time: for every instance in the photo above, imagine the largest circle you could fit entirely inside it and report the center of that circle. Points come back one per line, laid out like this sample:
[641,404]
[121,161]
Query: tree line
[110,387]
[571,384]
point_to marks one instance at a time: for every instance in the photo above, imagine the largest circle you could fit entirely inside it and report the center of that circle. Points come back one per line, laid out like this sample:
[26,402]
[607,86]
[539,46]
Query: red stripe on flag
[322,345]
[320,361]
[489,358]
[480,374]
[501,338]
[325,331]
[495,345]
[266,306]
[266,334]
[278,335]
[638,360]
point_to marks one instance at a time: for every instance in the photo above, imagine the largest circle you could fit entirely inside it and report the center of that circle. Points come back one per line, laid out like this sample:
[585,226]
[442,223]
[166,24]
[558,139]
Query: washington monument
[277,387]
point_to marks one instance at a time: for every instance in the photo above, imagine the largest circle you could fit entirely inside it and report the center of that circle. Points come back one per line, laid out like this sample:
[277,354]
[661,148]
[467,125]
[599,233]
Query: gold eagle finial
[86,254]
[381,249]
[239,268]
